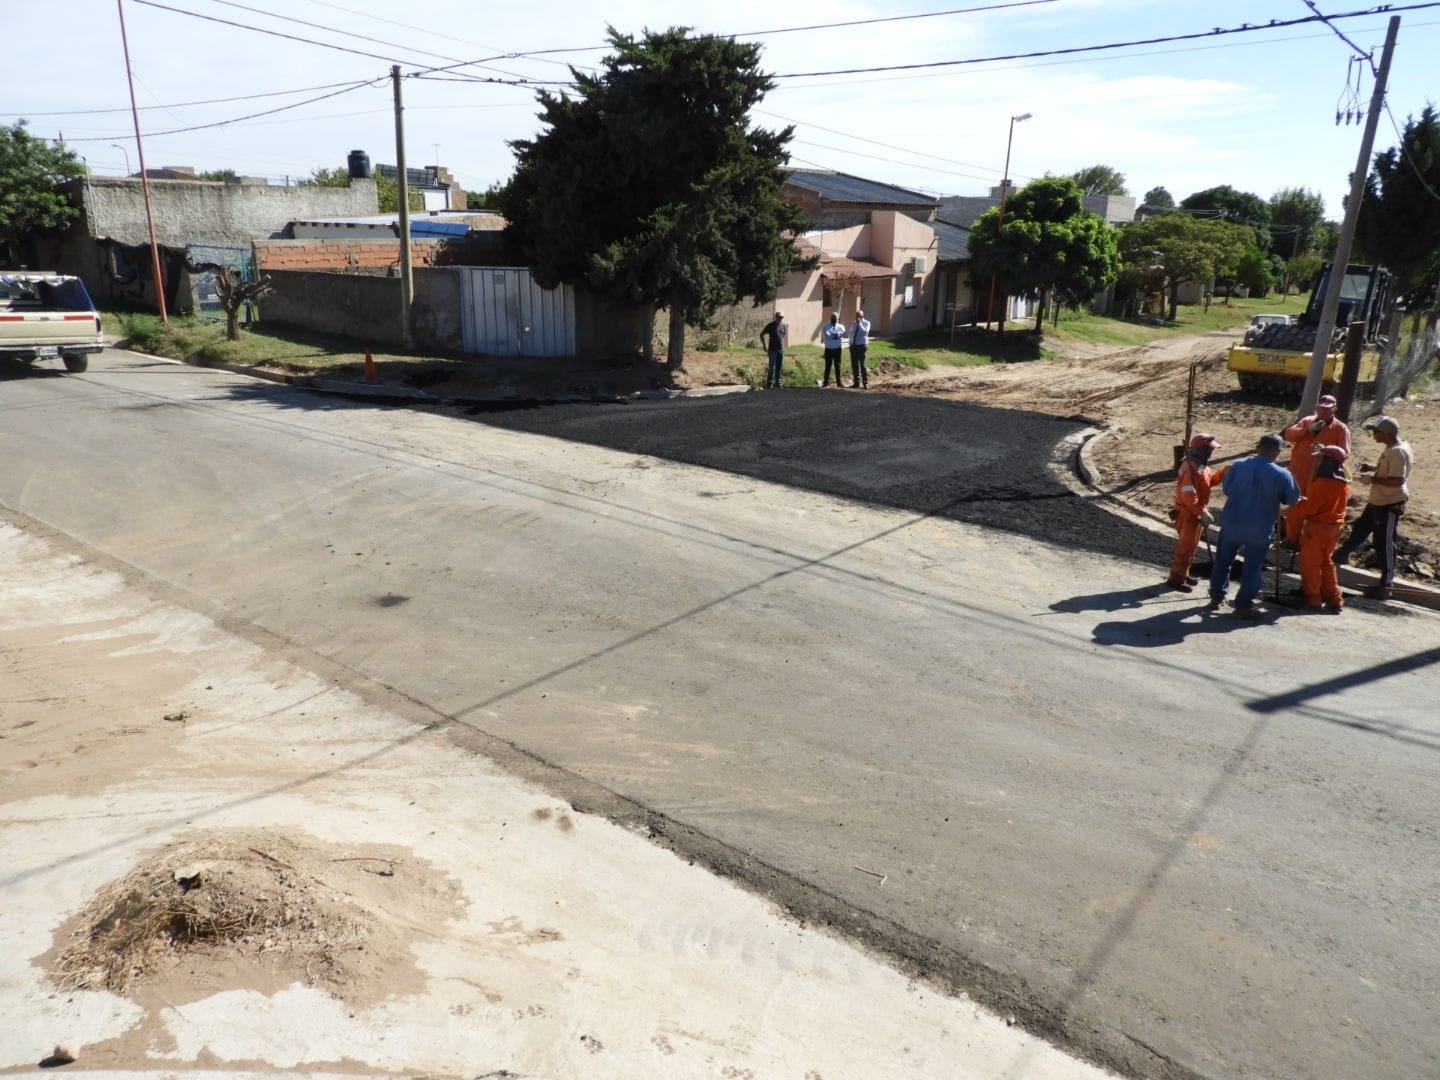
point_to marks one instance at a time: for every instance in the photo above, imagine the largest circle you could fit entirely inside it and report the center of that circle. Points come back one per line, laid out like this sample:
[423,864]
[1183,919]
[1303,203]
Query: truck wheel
[77,364]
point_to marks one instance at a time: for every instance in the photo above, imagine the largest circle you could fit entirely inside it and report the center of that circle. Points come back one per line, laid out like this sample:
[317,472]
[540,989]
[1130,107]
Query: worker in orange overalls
[1322,516]
[1193,482]
[1306,437]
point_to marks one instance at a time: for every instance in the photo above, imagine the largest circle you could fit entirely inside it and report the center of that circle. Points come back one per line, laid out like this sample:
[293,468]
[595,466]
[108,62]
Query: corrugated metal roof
[954,241]
[842,187]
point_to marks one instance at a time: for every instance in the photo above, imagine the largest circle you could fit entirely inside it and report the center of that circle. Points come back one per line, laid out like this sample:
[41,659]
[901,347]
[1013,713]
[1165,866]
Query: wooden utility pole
[1346,380]
[159,276]
[402,189]
[1341,262]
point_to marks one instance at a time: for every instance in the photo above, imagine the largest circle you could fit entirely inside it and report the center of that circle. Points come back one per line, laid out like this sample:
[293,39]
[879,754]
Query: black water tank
[359,163]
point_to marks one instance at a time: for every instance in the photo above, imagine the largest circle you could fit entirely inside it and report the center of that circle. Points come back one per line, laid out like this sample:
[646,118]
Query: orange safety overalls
[1192,495]
[1322,516]
[1305,459]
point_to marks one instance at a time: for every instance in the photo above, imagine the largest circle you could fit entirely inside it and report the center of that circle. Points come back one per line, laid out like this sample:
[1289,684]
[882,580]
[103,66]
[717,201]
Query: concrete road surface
[1177,844]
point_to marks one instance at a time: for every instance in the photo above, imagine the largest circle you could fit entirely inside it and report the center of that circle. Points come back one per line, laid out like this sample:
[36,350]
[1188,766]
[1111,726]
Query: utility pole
[402,186]
[144,179]
[1000,220]
[1341,262]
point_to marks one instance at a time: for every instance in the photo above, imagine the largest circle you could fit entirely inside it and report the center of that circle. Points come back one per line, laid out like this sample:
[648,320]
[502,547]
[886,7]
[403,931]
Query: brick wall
[342,255]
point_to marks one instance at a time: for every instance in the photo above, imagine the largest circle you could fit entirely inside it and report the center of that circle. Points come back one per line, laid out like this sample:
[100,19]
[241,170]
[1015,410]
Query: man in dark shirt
[775,337]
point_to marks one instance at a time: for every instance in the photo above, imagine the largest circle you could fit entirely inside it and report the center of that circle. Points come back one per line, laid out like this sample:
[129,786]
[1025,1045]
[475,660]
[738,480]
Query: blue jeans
[1251,577]
[772,376]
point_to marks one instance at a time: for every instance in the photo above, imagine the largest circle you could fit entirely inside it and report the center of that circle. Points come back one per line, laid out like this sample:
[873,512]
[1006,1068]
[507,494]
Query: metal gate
[207,301]
[504,313]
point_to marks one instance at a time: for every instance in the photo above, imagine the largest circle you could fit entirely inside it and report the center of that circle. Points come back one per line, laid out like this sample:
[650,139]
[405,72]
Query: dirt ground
[1137,395]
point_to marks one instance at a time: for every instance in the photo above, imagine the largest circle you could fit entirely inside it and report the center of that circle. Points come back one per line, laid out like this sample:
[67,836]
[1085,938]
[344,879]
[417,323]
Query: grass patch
[1088,328]
[201,340]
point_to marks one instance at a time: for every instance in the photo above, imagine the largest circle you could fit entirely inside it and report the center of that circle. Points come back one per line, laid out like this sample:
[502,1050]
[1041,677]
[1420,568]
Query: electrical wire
[1400,144]
[886,19]
[187,104]
[271,33]
[423,30]
[1368,57]
[361,37]
[237,119]
[1245,28]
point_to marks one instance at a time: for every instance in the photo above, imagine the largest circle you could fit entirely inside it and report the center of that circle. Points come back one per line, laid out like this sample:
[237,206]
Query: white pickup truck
[47,316]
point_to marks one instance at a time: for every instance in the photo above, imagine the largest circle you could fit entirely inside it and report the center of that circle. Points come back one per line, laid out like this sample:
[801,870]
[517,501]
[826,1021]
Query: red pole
[159,277]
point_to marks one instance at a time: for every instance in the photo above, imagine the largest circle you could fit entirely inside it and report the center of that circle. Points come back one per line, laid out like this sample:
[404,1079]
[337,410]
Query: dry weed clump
[252,895]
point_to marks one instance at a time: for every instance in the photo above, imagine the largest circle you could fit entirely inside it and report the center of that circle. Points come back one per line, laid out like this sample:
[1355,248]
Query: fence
[240,261]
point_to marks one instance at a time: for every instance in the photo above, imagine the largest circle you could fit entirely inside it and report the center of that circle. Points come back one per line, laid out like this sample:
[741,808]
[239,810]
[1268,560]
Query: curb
[1418,595]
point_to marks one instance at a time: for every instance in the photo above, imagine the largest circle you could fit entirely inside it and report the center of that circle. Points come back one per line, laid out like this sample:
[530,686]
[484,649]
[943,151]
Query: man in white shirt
[859,345]
[1381,516]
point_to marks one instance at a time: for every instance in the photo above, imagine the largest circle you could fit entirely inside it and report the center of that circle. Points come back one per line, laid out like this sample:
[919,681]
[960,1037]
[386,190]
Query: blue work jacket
[1255,489]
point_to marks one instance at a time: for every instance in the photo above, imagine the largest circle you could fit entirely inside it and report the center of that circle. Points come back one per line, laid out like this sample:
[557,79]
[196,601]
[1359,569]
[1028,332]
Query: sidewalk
[378,900]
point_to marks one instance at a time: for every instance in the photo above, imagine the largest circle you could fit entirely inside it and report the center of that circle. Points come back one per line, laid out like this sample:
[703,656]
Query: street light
[1000,221]
[122,150]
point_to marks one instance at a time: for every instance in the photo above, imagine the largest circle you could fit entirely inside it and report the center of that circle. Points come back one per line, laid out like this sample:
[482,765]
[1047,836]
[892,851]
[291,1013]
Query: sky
[1256,110]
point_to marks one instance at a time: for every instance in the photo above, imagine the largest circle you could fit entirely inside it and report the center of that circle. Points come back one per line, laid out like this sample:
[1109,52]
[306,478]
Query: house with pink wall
[871,235]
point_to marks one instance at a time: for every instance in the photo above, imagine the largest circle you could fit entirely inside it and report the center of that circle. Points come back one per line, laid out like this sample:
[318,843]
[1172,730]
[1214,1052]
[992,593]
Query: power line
[1400,143]
[1362,53]
[876,142]
[187,104]
[237,119]
[272,33]
[351,34]
[423,30]
[1245,28]
[797,29]
[886,19]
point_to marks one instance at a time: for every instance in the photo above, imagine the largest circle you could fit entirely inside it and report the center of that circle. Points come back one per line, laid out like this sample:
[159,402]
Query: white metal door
[504,313]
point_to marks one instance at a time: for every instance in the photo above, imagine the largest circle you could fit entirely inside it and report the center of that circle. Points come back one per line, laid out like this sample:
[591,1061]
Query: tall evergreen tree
[1399,223]
[650,185]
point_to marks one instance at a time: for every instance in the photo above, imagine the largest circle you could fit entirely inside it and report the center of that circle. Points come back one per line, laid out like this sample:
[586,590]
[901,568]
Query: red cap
[1204,439]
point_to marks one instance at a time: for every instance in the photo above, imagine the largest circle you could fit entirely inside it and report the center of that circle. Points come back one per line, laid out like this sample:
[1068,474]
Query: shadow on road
[1374,673]
[1172,627]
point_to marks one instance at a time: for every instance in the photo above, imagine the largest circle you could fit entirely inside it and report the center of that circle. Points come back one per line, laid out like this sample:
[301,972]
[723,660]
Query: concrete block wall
[207,211]
[365,307]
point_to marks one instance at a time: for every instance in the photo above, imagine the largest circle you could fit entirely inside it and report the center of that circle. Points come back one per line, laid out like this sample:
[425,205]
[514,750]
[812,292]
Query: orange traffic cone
[370,373]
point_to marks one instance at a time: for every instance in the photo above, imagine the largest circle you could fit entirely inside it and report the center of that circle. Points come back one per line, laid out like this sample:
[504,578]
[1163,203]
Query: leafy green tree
[489,199]
[31,172]
[1399,223]
[322,177]
[1296,216]
[1255,271]
[387,191]
[650,186]
[1228,204]
[1182,248]
[227,176]
[1300,270]
[1157,198]
[1100,180]
[1049,243]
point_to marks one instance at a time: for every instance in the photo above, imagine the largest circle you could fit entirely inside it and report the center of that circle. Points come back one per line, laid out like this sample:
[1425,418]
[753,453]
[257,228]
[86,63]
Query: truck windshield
[66,293]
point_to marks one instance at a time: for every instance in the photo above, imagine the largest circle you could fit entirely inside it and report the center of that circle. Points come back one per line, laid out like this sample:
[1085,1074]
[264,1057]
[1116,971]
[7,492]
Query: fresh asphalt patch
[949,459]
